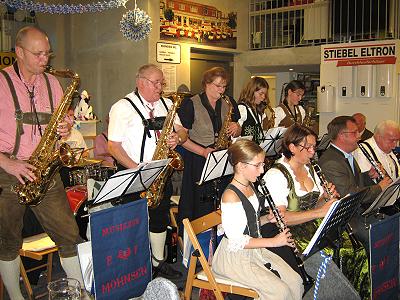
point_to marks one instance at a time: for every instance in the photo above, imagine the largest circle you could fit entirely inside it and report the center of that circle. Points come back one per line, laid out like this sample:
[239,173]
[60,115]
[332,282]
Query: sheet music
[131,180]
[273,141]
[386,198]
[216,166]
[86,262]
[321,227]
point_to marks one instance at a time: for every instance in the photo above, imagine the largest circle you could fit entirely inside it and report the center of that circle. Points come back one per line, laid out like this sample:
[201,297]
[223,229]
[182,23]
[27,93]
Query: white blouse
[234,222]
[277,184]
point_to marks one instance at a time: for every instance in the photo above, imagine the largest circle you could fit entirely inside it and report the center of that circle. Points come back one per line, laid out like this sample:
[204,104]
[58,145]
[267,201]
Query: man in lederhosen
[133,131]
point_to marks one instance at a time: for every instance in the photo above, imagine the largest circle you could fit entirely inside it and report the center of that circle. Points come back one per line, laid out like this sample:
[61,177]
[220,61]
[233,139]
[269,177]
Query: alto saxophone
[224,139]
[307,122]
[325,185]
[308,281]
[269,120]
[155,192]
[45,158]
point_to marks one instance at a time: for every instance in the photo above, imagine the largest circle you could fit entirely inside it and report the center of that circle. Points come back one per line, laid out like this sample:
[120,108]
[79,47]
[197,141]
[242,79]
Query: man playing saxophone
[28,99]
[133,132]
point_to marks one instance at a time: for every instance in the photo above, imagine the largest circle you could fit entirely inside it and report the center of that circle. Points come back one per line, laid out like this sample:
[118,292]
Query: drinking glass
[64,289]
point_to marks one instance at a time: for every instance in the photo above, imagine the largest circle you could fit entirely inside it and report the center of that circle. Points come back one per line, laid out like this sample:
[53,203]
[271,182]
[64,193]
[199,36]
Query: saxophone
[307,122]
[223,141]
[155,192]
[269,120]
[45,158]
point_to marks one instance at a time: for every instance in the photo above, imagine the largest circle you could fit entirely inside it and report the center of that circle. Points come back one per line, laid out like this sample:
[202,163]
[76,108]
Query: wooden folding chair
[206,279]
[45,242]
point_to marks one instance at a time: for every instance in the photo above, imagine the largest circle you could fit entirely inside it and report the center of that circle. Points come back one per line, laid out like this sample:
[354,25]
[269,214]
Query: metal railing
[294,23]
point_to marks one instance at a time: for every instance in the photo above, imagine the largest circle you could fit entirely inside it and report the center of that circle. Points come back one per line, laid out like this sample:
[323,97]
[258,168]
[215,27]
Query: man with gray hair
[380,147]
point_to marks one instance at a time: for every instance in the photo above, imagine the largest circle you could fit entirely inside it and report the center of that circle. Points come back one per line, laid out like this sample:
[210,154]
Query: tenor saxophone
[307,122]
[155,192]
[45,158]
[224,139]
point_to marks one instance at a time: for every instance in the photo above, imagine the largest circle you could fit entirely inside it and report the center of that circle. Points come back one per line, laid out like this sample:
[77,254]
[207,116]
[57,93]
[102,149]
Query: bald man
[361,121]
[28,99]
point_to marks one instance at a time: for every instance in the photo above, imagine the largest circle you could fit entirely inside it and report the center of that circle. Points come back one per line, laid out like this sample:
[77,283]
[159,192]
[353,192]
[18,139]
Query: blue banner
[384,253]
[121,251]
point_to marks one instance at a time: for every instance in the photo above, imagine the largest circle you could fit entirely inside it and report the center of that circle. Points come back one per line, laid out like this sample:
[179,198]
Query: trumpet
[372,161]
[325,185]
[308,281]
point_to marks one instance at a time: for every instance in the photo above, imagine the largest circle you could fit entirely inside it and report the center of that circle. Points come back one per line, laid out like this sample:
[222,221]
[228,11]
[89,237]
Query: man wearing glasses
[28,99]
[136,122]
[340,168]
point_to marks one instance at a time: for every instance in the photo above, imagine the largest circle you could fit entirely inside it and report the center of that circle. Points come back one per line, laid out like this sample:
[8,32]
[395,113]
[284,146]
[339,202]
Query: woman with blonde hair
[242,255]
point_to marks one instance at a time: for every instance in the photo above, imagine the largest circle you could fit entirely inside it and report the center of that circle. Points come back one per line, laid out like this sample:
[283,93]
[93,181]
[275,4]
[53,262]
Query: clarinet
[317,169]
[308,281]
[372,161]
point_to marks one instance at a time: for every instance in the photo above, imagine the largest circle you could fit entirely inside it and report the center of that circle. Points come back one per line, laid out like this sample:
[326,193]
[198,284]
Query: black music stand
[273,141]
[127,182]
[334,223]
[323,142]
[386,201]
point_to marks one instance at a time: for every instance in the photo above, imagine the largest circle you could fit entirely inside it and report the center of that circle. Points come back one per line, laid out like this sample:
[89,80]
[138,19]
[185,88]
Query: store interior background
[92,45]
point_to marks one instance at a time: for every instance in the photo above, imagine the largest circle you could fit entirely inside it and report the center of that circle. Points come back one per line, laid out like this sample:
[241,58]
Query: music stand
[127,182]
[323,142]
[334,223]
[273,141]
[216,166]
[385,200]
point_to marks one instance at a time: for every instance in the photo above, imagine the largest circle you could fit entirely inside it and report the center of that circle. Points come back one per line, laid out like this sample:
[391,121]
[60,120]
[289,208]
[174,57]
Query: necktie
[350,158]
[151,115]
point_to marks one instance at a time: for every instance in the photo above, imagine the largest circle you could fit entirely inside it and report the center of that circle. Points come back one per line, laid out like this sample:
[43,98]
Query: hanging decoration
[64,9]
[135,24]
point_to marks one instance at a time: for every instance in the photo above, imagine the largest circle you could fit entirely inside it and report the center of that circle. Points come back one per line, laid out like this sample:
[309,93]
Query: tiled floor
[59,273]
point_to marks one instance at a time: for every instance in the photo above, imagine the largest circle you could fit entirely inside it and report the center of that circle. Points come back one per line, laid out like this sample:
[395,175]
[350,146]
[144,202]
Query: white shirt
[75,139]
[243,115]
[126,125]
[277,184]
[280,114]
[388,161]
[234,222]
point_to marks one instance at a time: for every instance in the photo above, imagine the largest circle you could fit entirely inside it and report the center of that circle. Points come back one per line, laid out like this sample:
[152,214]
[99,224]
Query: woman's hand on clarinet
[332,191]
[283,239]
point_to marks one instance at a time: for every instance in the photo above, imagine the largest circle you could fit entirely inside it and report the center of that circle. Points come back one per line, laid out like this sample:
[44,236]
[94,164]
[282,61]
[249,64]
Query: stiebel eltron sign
[367,54]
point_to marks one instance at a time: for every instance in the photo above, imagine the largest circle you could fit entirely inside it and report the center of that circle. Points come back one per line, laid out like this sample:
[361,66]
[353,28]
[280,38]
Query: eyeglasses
[258,165]
[156,83]
[39,54]
[308,148]
[219,85]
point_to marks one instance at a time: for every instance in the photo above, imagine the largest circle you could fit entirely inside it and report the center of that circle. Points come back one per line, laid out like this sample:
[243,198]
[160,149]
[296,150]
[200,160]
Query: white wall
[375,108]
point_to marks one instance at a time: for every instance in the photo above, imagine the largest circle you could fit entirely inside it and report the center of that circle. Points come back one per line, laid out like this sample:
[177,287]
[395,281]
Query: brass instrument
[269,120]
[307,122]
[372,161]
[224,139]
[155,192]
[308,281]
[45,158]
[325,185]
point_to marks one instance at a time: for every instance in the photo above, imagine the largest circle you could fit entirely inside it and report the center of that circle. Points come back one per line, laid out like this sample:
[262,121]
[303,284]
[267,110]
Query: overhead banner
[364,54]
[384,253]
[121,251]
